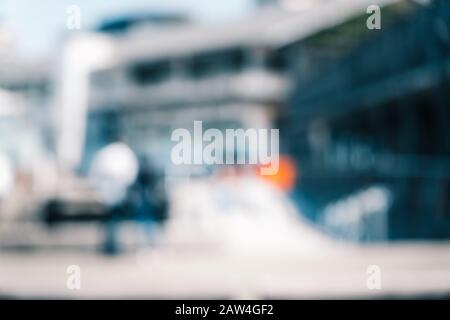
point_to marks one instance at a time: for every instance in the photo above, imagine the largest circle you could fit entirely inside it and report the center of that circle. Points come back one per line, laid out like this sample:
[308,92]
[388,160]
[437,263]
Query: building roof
[267,28]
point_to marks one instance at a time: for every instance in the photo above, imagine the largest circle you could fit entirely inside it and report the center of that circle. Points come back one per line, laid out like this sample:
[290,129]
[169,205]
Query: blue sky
[38,23]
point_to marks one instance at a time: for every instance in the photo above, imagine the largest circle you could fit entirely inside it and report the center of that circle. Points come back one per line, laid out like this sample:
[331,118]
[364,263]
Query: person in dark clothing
[148,199]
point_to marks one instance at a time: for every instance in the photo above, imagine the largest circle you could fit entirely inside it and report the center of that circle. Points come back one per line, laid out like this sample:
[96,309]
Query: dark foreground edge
[221,309]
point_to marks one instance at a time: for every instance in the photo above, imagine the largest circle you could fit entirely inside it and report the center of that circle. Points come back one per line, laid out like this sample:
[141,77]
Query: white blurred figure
[6,177]
[113,170]
[6,186]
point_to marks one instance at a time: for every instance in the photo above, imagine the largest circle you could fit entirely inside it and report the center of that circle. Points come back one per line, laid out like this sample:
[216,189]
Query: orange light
[286,176]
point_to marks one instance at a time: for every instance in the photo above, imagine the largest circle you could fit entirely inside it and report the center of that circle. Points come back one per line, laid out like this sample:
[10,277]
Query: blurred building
[376,115]
[26,140]
[25,89]
[165,79]
[232,75]
[362,111]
